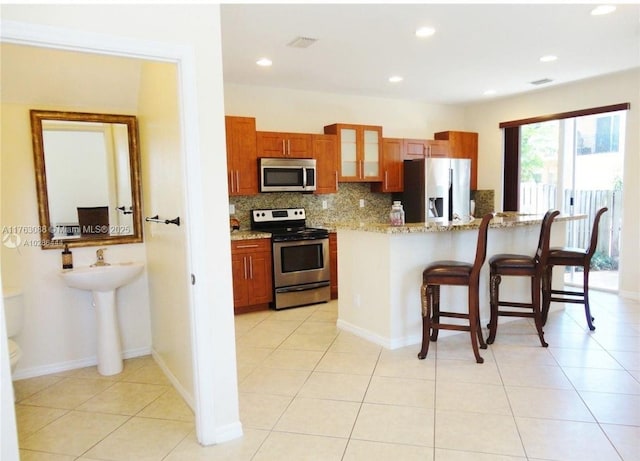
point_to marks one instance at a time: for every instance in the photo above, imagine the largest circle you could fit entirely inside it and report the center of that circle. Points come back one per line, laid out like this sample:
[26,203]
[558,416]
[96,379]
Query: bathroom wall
[164,195]
[602,91]
[59,331]
[190,36]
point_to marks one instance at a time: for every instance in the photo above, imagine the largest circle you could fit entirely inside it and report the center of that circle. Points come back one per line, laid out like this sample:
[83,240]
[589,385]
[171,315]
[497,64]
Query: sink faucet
[100,258]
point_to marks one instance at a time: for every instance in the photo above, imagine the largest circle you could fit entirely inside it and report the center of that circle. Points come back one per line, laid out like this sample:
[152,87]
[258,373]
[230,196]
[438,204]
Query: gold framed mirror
[87,170]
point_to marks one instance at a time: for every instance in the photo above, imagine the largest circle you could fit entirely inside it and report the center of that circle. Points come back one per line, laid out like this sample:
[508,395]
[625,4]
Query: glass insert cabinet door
[349,153]
[360,151]
[371,154]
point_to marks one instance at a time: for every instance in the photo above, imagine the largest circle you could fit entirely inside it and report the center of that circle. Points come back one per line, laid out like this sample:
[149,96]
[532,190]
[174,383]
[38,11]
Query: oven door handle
[309,286]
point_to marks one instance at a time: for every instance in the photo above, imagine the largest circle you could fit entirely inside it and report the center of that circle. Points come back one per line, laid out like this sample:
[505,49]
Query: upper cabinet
[325,151]
[463,144]
[242,159]
[422,148]
[392,167]
[293,145]
[359,151]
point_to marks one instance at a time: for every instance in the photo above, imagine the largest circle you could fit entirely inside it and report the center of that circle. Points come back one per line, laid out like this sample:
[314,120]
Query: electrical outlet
[361,203]
[232,208]
[324,205]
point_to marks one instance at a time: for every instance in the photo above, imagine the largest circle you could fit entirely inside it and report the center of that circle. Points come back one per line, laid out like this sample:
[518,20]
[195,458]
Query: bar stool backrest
[481,246]
[594,232]
[542,252]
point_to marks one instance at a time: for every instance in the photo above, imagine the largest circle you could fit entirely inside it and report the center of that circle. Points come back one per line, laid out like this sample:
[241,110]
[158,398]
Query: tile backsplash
[343,206]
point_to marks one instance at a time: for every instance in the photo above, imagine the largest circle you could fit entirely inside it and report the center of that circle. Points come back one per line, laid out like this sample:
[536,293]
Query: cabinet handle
[251,267]
[231,180]
[244,262]
[251,245]
[386,174]
[336,173]
[284,151]
[289,147]
[237,180]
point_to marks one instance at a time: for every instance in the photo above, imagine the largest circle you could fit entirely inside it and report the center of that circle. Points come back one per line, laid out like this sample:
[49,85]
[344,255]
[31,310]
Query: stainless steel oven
[301,269]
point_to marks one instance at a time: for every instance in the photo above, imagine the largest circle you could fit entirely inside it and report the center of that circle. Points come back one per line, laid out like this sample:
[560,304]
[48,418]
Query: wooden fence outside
[538,198]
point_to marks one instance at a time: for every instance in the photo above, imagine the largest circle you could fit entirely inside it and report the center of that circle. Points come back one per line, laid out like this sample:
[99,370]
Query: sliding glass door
[575,164]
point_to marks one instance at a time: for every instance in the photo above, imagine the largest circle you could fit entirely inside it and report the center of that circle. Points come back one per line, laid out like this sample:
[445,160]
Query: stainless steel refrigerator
[437,190]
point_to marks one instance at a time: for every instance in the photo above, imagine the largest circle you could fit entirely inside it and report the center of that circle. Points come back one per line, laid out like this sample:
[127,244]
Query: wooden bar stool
[454,273]
[571,257]
[514,265]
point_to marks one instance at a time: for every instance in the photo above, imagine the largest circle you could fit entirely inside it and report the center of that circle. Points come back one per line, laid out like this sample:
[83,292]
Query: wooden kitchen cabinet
[252,274]
[392,167]
[284,145]
[463,144]
[359,148]
[242,163]
[423,148]
[333,254]
[325,151]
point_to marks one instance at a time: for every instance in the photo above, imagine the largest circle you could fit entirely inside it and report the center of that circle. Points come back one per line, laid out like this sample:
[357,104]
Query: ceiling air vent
[542,81]
[302,42]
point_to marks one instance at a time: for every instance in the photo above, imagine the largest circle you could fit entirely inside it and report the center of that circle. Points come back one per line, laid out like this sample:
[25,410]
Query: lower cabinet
[252,274]
[333,253]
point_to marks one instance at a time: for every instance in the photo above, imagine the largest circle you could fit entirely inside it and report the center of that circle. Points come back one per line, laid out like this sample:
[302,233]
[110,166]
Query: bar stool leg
[494,289]
[435,309]
[546,292]
[537,315]
[426,320]
[585,286]
[474,323]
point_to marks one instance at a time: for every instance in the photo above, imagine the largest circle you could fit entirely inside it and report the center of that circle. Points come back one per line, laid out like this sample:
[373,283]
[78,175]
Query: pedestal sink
[103,281]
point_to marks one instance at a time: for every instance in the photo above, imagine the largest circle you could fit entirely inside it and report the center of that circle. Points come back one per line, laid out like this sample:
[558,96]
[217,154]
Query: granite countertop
[248,235]
[500,220]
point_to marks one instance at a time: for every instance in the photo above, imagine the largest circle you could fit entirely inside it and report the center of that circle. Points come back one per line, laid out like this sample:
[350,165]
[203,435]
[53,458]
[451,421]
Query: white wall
[612,89]
[59,326]
[280,109]
[163,186]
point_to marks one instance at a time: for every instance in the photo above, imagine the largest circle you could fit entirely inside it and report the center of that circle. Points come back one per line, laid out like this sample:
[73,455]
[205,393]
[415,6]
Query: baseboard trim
[32,372]
[187,397]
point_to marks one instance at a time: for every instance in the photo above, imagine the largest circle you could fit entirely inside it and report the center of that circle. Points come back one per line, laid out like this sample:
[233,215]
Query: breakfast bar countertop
[500,220]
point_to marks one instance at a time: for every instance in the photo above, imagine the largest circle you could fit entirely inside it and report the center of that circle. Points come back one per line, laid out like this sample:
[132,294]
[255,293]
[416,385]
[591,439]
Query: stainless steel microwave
[287,174]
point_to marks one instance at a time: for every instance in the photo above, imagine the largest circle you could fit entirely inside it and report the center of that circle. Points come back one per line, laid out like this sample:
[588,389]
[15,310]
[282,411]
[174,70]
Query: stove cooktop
[285,224]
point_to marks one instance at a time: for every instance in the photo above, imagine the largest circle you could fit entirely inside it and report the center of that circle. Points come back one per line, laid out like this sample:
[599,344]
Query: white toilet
[14,316]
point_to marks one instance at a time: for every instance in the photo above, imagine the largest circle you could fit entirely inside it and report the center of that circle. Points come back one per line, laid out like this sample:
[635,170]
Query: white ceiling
[476,47]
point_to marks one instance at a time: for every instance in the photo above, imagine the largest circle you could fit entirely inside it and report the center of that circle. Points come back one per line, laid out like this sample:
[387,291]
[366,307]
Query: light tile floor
[311,392]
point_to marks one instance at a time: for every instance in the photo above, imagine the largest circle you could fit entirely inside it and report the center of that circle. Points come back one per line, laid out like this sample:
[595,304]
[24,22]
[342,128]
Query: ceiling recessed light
[548,58]
[603,9]
[395,79]
[489,92]
[425,32]
[264,62]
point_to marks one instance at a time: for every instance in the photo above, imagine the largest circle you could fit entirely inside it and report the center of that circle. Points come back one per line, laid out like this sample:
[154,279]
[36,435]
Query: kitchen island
[380,271]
